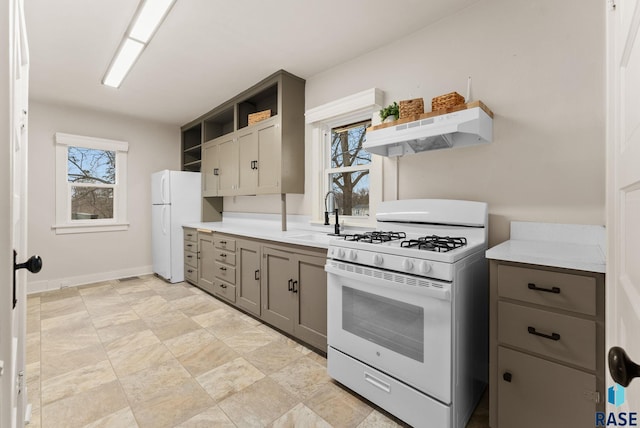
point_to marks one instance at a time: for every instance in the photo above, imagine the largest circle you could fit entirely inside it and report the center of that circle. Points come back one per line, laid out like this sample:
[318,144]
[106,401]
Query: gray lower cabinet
[248,265]
[205,256]
[546,346]
[191,255]
[294,293]
[283,285]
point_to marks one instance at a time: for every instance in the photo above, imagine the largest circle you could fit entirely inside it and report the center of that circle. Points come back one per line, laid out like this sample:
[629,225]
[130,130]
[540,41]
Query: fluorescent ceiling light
[122,63]
[149,17]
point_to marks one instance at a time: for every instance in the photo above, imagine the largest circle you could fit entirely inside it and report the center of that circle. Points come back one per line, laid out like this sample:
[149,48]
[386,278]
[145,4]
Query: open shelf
[266,99]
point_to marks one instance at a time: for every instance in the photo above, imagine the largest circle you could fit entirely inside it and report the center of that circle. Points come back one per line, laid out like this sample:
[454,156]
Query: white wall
[83,258]
[539,65]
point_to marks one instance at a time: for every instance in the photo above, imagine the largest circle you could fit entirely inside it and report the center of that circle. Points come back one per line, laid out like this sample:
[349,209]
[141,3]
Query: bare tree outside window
[349,173]
[91,175]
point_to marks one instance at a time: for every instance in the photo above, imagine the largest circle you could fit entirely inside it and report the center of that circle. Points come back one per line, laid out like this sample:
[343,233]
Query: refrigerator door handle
[163,192]
[164,219]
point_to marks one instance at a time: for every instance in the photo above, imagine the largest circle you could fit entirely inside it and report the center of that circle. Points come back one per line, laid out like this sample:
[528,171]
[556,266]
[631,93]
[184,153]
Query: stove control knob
[407,264]
[425,267]
[340,253]
[353,255]
[377,259]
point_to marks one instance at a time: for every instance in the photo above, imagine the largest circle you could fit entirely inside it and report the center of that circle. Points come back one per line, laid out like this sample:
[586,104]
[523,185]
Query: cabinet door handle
[506,376]
[554,290]
[223,286]
[552,336]
[223,242]
[290,287]
[189,270]
[295,283]
[216,171]
[256,274]
[254,164]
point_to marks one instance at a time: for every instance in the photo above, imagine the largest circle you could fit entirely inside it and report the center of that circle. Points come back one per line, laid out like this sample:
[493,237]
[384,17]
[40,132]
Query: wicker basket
[411,107]
[446,101]
[259,116]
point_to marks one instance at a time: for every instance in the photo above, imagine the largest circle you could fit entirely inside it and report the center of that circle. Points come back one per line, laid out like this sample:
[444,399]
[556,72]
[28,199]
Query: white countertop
[264,226]
[580,247]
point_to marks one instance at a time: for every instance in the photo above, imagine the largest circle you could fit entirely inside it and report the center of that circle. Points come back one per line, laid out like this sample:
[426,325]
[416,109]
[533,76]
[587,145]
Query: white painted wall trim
[74,281]
[343,109]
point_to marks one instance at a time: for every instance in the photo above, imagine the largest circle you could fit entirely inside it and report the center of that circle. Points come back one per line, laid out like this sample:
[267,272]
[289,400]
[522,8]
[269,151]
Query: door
[623,187]
[228,166]
[247,155]
[13,190]
[277,288]
[311,309]
[161,240]
[248,291]
[268,164]
[160,188]
[206,261]
[210,169]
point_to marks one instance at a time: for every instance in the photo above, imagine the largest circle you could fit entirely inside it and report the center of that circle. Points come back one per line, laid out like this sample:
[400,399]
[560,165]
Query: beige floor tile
[33,347]
[212,417]
[140,358]
[379,420]
[272,357]
[57,364]
[259,404]
[171,324]
[300,416]
[131,342]
[36,418]
[120,317]
[226,329]
[206,356]
[33,321]
[117,331]
[81,409]
[62,293]
[100,306]
[59,307]
[302,378]
[151,306]
[146,384]
[174,292]
[76,381]
[67,322]
[138,296]
[96,289]
[337,406]
[229,378]
[250,339]
[196,304]
[123,418]
[128,288]
[33,385]
[67,333]
[185,343]
[173,406]
[216,316]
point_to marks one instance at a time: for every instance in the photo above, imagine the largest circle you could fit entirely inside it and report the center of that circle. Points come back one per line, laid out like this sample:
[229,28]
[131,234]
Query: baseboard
[74,281]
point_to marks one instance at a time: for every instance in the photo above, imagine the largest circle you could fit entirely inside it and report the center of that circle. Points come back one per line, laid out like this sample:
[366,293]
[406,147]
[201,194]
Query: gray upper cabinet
[242,156]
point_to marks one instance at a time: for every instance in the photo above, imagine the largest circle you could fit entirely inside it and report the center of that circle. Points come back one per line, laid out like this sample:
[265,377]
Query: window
[91,191]
[348,172]
[339,163]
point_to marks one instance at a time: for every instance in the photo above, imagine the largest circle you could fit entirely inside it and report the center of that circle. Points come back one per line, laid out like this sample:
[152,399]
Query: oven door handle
[438,293]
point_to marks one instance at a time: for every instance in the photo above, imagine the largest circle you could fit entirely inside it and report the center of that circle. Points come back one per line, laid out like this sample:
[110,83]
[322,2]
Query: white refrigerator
[175,200]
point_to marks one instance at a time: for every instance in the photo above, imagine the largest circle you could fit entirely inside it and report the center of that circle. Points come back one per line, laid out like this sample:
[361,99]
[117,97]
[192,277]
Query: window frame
[354,108]
[64,224]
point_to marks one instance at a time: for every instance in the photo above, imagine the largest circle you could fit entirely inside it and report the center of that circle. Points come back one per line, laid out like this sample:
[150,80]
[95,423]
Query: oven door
[398,324]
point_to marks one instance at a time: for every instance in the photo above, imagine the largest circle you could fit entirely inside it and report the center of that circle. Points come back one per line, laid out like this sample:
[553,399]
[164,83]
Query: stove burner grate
[441,244]
[375,237]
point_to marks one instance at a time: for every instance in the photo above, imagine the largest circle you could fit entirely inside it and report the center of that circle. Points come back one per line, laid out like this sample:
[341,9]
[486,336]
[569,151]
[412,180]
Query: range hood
[473,125]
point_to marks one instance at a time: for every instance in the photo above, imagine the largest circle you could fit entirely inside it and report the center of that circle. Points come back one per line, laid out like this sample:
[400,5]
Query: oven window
[395,325]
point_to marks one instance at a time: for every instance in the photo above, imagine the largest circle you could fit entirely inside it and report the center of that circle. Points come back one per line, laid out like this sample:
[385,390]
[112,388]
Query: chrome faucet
[334,208]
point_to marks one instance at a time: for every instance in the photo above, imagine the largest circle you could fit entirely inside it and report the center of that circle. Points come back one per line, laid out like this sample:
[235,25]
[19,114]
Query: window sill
[63,229]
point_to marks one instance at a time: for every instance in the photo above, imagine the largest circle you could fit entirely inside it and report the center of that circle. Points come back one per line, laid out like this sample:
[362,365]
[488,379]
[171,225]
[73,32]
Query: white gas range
[407,310]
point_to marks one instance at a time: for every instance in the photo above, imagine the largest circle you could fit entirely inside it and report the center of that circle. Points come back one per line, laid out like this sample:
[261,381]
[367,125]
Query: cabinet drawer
[557,290]
[225,272]
[191,246]
[191,235]
[191,259]
[224,256]
[228,291]
[191,274]
[533,393]
[567,338]
[224,243]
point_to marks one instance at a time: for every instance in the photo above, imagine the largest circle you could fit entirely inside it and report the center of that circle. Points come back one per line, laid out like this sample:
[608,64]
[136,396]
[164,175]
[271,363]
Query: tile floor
[145,353]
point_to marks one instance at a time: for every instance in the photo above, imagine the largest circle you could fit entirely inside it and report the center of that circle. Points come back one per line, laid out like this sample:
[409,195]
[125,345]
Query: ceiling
[206,51]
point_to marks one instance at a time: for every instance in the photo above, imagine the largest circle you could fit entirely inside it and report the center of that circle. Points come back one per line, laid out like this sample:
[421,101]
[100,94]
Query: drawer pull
[189,270]
[256,275]
[552,336]
[223,286]
[223,268]
[223,255]
[554,290]
[506,377]
[377,382]
[290,285]
[223,242]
